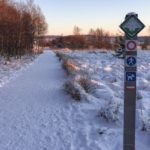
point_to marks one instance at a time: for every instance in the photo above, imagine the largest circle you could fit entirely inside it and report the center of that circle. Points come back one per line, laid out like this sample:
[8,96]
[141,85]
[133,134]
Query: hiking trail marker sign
[131,26]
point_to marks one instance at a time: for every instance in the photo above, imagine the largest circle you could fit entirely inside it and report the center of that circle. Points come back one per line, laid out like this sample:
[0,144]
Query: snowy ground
[37,114]
[11,69]
[105,75]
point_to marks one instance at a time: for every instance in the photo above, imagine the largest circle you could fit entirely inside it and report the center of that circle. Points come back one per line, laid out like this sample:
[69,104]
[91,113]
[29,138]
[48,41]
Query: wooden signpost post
[131,26]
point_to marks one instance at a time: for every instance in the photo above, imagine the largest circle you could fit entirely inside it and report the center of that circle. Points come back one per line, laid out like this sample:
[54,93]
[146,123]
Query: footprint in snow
[48,139]
[43,126]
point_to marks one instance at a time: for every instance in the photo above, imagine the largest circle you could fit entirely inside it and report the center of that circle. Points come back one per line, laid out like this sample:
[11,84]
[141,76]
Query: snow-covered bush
[145,124]
[60,55]
[79,86]
[75,90]
[70,66]
[110,111]
[143,120]
[68,63]
[86,83]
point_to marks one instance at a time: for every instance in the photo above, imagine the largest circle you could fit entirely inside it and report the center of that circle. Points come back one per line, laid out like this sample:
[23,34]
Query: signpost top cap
[131,14]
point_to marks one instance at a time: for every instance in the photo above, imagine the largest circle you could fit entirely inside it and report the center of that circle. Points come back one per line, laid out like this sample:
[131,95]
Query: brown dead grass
[69,66]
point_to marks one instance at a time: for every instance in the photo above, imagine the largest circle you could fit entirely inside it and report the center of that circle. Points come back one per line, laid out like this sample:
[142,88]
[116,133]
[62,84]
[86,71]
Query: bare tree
[76,30]
[20,24]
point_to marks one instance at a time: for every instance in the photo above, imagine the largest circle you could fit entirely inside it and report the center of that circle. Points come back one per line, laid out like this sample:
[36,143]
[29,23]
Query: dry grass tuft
[85,83]
[73,90]
[69,66]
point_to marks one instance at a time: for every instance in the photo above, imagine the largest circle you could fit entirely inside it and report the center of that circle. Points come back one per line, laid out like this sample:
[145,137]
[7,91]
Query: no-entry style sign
[131,45]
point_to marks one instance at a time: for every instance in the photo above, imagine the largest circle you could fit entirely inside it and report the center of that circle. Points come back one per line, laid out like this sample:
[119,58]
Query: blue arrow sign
[131,61]
[130,76]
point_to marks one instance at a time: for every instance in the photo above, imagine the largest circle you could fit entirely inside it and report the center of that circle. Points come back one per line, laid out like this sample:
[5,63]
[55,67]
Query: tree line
[95,39]
[98,38]
[20,25]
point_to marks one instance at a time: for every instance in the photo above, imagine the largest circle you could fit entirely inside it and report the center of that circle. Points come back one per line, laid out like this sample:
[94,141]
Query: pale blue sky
[62,15]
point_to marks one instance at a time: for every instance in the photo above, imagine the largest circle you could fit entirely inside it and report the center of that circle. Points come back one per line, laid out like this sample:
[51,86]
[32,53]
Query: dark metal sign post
[131,26]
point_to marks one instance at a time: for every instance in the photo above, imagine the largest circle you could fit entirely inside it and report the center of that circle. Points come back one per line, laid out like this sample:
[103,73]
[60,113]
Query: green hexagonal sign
[132,26]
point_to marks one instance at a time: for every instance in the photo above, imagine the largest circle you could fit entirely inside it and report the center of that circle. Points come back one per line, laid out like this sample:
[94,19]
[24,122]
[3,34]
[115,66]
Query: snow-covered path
[34,110]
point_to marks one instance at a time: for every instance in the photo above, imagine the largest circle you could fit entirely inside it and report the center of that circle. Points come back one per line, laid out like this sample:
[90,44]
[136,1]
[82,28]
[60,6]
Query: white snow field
[98,78]
[12,69]
[37,114]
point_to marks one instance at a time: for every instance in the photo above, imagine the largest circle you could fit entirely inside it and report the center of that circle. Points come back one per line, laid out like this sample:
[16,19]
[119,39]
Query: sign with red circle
[131,45]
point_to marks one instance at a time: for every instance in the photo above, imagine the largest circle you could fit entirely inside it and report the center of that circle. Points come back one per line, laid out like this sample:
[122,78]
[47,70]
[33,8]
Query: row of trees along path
[20,24]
